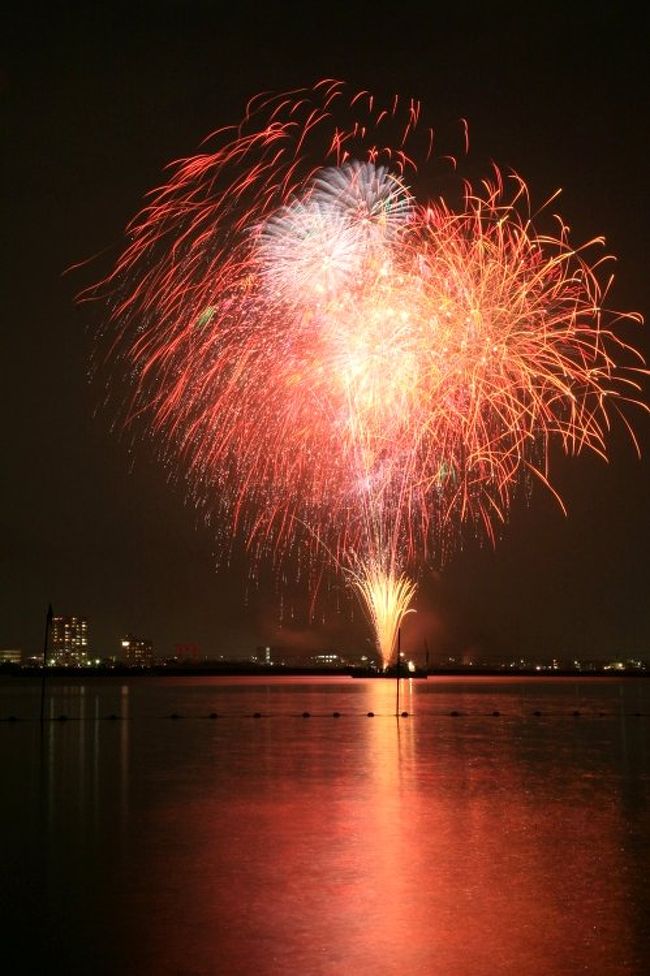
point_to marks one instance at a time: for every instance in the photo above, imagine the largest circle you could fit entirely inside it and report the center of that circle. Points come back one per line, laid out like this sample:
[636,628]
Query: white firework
[323,241]
[371,197]
[308,251]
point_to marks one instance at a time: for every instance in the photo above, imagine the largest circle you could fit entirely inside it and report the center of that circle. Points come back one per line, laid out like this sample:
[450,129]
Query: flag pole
[48,624]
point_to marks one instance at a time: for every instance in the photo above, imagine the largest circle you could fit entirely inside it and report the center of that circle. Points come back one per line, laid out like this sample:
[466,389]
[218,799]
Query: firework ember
[346,369]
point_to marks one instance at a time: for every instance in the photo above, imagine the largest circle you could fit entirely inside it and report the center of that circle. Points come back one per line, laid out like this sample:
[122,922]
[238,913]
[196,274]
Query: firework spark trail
[325,351]
[387,597]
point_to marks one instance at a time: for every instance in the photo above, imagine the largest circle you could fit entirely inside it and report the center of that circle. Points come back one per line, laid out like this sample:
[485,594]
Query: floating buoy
[404,714]
[305,715]
[62,718]
[257,714]
[576,713]
[496,713]
[112,717]
[336,714]
[213,715]
[371,714]
[174,716]
[537,713]
[454,714]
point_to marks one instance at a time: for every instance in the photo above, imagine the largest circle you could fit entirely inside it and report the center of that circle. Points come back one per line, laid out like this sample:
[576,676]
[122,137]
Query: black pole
[48,624]
[397,673]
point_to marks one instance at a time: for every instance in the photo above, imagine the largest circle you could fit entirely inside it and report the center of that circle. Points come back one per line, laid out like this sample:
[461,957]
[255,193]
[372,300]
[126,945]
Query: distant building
[328,660]
[137,651]
[187,651]
[262,655]
[68,644]
[11,656]
[297,657]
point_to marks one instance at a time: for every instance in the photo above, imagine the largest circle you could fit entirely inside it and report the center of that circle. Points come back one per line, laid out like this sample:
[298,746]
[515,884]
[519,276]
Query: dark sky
[95,102]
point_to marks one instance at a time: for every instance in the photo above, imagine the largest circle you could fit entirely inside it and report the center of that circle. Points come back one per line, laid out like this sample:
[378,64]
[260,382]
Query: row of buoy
[176,716]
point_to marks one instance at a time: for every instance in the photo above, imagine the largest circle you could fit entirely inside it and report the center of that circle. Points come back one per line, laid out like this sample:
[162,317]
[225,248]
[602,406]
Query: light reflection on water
[433,844]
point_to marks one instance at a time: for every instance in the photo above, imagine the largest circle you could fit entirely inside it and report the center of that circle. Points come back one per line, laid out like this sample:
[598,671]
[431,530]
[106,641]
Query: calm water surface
[437,844]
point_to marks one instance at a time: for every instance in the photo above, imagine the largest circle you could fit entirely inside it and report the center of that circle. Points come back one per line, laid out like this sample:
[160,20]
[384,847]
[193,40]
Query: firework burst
[345,368]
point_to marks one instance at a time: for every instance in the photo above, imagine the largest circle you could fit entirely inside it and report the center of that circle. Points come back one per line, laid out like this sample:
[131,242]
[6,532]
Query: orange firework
[346,368]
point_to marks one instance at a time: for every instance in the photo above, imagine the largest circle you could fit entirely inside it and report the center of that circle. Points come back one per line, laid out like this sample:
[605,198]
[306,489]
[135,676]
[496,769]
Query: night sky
[95,103]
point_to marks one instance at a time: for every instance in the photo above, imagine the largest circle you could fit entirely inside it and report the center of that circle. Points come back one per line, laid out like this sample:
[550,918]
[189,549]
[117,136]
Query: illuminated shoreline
[243,669]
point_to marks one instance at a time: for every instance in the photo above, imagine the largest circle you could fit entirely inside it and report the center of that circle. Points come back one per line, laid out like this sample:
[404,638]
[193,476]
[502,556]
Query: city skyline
[70,644]
[92,519]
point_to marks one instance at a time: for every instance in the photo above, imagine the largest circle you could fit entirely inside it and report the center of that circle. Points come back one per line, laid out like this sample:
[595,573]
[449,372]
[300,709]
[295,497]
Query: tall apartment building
[137,651]
[68,643]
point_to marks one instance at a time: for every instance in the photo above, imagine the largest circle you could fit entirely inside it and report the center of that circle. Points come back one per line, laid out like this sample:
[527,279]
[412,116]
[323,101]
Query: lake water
[454,845]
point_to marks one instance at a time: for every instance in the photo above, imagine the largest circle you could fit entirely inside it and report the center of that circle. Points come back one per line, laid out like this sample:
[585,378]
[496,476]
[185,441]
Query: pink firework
[344,367]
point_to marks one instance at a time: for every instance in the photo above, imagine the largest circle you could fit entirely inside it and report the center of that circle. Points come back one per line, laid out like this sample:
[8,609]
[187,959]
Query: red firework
[341,364]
